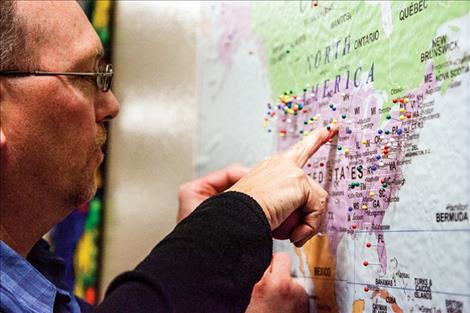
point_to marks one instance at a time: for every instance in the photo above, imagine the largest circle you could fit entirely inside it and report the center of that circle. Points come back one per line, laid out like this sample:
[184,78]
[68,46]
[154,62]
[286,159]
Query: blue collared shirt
[24,289]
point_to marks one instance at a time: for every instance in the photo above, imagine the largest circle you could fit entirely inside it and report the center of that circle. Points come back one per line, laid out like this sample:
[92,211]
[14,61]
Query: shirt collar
[25,283]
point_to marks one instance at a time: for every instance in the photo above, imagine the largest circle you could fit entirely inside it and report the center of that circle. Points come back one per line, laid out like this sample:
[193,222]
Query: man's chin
[84,195]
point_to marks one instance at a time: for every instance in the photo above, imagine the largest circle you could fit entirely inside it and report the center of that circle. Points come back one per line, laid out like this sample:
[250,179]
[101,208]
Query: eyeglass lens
[104,80]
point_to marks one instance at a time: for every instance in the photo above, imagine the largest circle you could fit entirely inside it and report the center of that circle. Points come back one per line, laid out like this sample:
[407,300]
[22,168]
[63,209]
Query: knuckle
[284,288]
[261,287]
[323,196]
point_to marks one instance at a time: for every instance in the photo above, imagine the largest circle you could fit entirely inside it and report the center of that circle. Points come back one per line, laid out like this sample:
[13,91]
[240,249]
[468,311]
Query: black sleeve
[209,263]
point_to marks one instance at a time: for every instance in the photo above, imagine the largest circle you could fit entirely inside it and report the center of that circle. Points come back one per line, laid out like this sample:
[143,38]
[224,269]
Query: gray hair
[13,54]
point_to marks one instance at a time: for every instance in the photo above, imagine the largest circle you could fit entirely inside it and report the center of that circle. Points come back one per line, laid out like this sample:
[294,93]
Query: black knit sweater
[209,263]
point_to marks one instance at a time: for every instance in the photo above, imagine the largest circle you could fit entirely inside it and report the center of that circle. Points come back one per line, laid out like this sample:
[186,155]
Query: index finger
[304,149]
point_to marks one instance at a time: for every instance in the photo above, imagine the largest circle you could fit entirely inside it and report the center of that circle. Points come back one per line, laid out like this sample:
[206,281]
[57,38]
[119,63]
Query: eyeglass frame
[108,73]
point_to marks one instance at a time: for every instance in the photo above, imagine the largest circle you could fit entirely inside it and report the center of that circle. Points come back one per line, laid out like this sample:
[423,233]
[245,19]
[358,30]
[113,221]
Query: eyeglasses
[103,79]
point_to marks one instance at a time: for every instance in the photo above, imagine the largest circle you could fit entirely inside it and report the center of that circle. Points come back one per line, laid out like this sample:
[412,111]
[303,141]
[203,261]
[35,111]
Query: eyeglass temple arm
[42,73]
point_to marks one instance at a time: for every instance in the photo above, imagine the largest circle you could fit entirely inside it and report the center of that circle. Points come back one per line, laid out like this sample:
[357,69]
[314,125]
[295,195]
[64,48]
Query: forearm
[209,263]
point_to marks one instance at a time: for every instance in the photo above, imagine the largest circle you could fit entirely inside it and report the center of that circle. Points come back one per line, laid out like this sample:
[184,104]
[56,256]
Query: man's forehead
[60,29]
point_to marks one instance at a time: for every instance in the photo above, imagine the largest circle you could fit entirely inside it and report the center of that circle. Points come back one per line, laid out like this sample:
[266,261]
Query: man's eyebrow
[90,59]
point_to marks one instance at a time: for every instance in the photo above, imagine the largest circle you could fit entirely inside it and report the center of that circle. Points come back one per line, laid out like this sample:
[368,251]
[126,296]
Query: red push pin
[322,164]
[402,100]
[368,245]
[330,140]
[365,263]
[408,114]
[354,226]
[309,165]
[395,100]
[366,289]
[314,3]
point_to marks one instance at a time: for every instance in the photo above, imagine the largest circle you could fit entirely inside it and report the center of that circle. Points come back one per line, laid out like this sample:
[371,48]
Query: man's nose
[107,107]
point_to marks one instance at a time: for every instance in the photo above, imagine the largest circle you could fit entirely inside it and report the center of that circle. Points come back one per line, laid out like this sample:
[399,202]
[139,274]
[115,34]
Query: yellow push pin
[364,207]
[406,100]
[364,141]
[334,121]
[372,194]
[306,133]
[346,151]
[402,110]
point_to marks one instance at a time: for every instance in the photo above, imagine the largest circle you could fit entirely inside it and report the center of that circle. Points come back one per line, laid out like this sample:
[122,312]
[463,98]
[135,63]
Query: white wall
[151,142]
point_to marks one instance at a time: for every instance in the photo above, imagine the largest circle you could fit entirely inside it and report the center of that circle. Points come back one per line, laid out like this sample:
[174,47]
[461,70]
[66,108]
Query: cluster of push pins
[290,107]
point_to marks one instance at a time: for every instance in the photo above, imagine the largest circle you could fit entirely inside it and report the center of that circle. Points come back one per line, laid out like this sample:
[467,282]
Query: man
[54,99]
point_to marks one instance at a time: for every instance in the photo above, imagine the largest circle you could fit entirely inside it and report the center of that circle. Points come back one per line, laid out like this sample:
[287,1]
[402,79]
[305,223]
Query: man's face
[53,125]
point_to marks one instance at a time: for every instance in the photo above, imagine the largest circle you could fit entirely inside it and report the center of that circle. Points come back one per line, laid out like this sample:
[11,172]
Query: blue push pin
[379,131]
[350,209]
[378,157]
[349,131]
[399,131]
